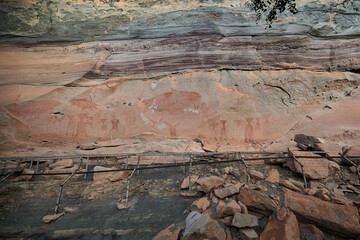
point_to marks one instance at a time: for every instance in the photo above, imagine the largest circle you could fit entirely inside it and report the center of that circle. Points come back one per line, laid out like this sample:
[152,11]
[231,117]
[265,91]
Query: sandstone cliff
[80,70]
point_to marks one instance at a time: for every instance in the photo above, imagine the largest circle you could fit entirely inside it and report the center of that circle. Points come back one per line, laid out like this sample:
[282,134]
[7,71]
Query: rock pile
[275,205]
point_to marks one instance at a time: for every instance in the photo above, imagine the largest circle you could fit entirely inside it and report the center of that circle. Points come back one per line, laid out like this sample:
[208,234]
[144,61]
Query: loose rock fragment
[343,219]
[248,234]
[283,225]
[200,205]
[273,176]
[244,220]
[51,218]
[185,183]
[311,232]
[207,184]
[228,191]
[201,226]
[169,233]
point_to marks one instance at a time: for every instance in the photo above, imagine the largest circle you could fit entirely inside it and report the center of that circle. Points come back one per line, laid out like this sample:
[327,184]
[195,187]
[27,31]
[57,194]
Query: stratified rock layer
[73,71]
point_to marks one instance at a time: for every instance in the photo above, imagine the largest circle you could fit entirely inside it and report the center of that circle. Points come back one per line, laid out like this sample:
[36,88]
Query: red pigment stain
[36,108]
[171,102]
[83,104]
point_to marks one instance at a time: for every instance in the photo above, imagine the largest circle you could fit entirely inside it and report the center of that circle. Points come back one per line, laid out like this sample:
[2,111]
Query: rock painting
[249,131]
[83,104]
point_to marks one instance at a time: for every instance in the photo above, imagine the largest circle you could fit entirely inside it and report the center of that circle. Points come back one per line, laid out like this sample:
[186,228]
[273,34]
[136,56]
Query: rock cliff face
[80,70]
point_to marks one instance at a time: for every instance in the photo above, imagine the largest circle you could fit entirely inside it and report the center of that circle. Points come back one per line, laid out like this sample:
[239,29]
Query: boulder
[256,201]
[283,225]
[310,232]
[305,142]
[185,183]
[343,219]
[51,218]
[200,205]
[313,168]
[248,234]
[169,233]
[201,226]
[228,191]
[273,176]
[207,184]
[244,220]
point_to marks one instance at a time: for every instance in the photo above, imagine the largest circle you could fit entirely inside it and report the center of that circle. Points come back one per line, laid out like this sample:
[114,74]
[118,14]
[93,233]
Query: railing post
[190,171]
[138,165]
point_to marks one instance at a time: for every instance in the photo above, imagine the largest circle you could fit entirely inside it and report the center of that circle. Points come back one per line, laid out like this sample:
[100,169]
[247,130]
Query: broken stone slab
[193,194]
[228,191]
[201,226]
[342,219]
[283,225]
[220,206]
[51,218]
[71,210]
[122,206]
[256,201]
[317,168]
[298,184]
[71,233]
[288,184]
[122,232]
[169,233]
[256,175]
[185,183]
[200,205]
[306,142]
[244,220]
[337,198]
[207,184]
[353,188]
[260,188]
[248,234]
[273,176]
